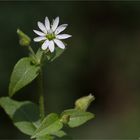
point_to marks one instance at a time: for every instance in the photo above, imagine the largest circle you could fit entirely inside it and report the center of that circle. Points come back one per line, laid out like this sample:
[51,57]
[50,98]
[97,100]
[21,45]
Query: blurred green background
[102,57]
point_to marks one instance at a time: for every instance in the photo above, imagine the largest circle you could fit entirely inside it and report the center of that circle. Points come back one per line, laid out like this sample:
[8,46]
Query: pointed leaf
[77,117]
[49,125]
[24,72]
[46,137]
[59,134]
[25,115]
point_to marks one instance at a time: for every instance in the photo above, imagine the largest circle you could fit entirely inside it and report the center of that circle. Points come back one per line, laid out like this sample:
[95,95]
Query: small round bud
[65,119]
[84,102]
[24,40]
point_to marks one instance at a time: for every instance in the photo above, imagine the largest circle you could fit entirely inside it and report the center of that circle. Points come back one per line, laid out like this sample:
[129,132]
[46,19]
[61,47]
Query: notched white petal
[47,23]
[40,38]
[39,33]
[60,28]
[42,27]
[59,43]
[55,23]
[51,46]
[63,36]
[45,45]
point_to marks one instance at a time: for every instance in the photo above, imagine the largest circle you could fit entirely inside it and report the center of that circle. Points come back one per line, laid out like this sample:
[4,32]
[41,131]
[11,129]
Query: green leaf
[23,73]
[77,117]
[25,115]
[51,137]
[59,134]
[52,56]
[49,125]
[46,137]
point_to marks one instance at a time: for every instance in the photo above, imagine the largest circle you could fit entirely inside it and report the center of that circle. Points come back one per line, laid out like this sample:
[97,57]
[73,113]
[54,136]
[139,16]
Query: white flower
[50,34]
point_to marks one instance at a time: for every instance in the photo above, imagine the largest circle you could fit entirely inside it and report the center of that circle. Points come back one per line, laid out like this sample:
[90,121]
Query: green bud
[65,119]
[24,40]
[84,102]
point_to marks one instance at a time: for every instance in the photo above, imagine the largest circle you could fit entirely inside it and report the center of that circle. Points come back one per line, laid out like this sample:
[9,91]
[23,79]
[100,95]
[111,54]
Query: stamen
[50,36]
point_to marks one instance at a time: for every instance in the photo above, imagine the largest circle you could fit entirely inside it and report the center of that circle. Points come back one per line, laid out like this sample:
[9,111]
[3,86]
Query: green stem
[31,50]
[41,95]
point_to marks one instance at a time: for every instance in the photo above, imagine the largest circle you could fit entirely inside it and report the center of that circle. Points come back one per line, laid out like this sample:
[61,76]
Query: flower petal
[40,38]
[51,46]
[45,45]
[39,33]
[60,28]
[47,23]
[63,36]
[55,24]
[59,43]
[42,27]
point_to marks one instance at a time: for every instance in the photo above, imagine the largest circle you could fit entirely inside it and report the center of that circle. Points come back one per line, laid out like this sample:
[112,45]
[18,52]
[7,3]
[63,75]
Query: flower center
[50,36]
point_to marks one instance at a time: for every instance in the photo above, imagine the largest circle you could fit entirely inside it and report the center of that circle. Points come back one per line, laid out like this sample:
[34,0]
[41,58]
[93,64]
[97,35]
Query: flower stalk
[41,94]
[31,50]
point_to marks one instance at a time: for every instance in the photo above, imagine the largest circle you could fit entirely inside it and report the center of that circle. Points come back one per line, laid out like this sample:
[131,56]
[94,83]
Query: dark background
[102,57]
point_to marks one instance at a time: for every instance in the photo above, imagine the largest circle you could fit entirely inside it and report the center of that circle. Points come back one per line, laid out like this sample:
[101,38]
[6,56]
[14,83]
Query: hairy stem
[41,95]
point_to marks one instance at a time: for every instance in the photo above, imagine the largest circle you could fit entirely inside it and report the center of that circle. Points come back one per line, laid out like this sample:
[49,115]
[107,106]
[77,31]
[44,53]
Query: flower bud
[84,102]
[24,40]
[65,118]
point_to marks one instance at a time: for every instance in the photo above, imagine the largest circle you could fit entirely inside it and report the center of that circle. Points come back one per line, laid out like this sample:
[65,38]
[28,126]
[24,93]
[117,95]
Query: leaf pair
[25,116]
[52,125]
